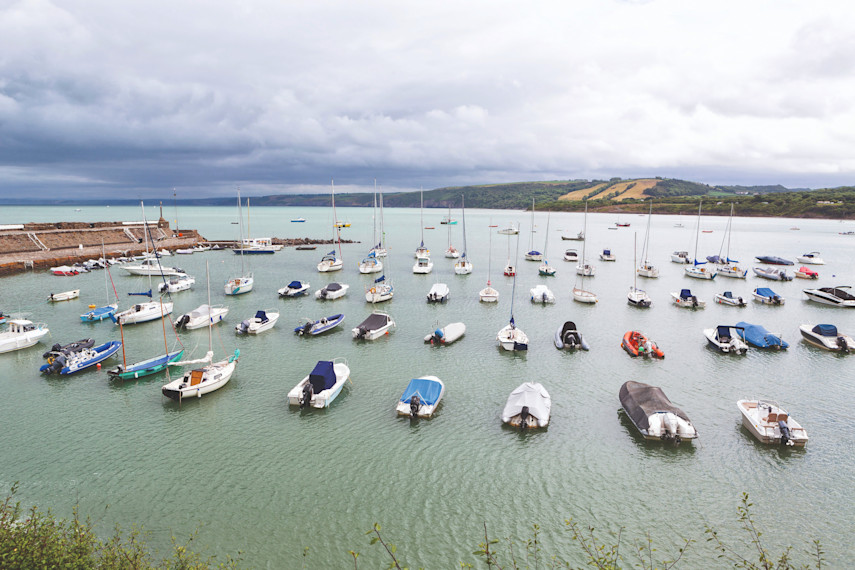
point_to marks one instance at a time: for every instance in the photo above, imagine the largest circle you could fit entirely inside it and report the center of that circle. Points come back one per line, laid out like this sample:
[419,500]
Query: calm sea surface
[253,475]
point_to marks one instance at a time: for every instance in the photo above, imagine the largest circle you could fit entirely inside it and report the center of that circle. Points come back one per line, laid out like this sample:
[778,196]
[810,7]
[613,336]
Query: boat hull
[762,420]
[213,377]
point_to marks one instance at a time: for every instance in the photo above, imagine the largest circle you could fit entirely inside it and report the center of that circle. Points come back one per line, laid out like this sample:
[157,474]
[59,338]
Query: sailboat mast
[585,233]
[514,287]
[729,230]
[248,222]
[463,215]
[634,260]
[382,227]
[374,214]
[531,234]
[210,320]
[240,230]
[698,232]
[489,256]
[336,229]
[422,213]
[546,240]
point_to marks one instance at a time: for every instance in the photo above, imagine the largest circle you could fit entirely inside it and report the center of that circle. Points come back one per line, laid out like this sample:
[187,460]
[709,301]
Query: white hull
[546,270]
[423,266]
[731,301]
[586,270]
[379,294]
[732,271]
[538,409]
[330,295]
[810,260]
[438,293]
[647,270]
[463,268]
[512,338]
[668,424]
[21,334]
[452,253]
[256,326]
[373,334]
[239,285]
[699,272]
[64,296]
[777,300]
[324,398]
[197,383]
[680,257]
[572,257]
[541,294]
[295,292]
[638,298]
[328,266]
[839,343]
[149,270]
[690,303]
[534,257]
[371,267]
[826,298]
[447,334]
[583,296]
[143,312]
[200,318]
[731,345]
[761,418]
[176,284]
[772,274]
[488,295]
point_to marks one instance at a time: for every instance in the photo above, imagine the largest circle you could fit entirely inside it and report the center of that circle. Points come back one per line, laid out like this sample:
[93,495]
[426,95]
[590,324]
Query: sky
[133,99]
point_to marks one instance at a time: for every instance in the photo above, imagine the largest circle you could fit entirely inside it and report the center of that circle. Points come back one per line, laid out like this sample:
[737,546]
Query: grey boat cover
[531,394]
[641,400]
[374,322]
[333,287]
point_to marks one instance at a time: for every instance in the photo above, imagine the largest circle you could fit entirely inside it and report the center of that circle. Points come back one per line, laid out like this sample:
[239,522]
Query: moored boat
[636,343]
[758,336]
[294,289]
[332,291]
[727,298]
[323,384]
[568,337]
[176,283]
[811,258]
[322,325]
[827,337]
[607,255]
[571,255]
[653,414]
[726,338]
[421,397]
[511,338]
[373,327]
[21,333]
[142,312]
[262,321]
[835,296]
[770,423]
[806,273]
[773,260]
[685,299]
[64,296]
[680,257]
[766,296]
[447,334]
[201,381]
[528,407]
[438,293]
[146,367]
[201,317]
[772,274]
[69,363]
[541,294]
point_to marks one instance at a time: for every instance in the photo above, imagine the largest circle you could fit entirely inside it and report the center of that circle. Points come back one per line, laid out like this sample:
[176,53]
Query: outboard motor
[776,300]
[842,344]
[244,326]
[54,348]
[307,328]
[524,415]
[694,302]
[741,302]
[57,364]
[570,340]
[308,392]
[543,296]
[361,332]
[785,433]
[324,293]
[415,405]
[182,322]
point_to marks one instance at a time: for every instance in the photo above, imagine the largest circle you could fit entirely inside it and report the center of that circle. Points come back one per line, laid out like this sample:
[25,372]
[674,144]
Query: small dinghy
[827,337]
[176,283]
[680,257]
[262,321]
[806,273]
[294,289]
[528,407]
[75,346]
[320,326]
[99,313]
[201,316]
[636,343]
[82,359]
[567,337]
[773,260]
[541,294]
[607,255]
[758,336]
[839,296]
[321,386]
[726,339]
[685,299]
[64,296]
[438,293]
[770,423]
[772,274]
[332,291]
[372,328]
[21,333]
[727,298]
[65,271]
[811,258]
[421,397]
[447,334]
[653,414]
[767,297]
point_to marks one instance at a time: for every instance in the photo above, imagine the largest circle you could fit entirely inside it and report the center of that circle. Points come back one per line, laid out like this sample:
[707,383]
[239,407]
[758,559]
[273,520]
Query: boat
[320,326]
[770,423]
[151,266]
[727,298]
[3,318]
[200,248]
[447,334]
[185,251]
[685,299]
[448,220]
[567,337]
[636,343]
[451,252]
[256,246]
[176,283]
[421,397]
[332,291]
[622,225]
[201,316]
[64,296]
[545,269]
[541,294]
[584,268]
[578,237]
[773,260]
[772,274]
[509,271]
[680,257]
[373,327]
[488,294]
[528,407]
[438,293]
[340,224]
[75,346]
[827,337]
[806,273]
[371,263]
[532,254]
[607,255]
[306,247]
[422,251]
[811,258]
[726,338]
[262,321]
[653,414]
[511,230]
[330,262]
[571,255]
[839,296]
[637,297]
[726,266]
[294,289]
[65,271]
[757,336]
[321,386]
[510,337]
[142,312]
[766,296]
[21,333]
[697,269]
[146,367]
[298,220]
[464,266]
[76,361]
[242,284]
[380,291]
[423,265]
[647,269]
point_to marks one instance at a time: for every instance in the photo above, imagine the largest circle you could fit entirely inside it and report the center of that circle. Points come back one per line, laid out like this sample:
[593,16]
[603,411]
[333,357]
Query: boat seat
[771,418]
[783,418]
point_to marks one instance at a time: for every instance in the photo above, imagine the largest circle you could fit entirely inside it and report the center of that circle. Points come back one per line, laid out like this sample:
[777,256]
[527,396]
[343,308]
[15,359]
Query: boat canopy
[261,316]
[427,390]
[534,252]
[295,284]
[728,294]
[200,311]
[568,326]
[323,376]
[607,252]
[685,294]
[825,330]
[642,400]
[333,287]
[380,279]
[715,259]
[759,336]
[766,292]
[723,332]
[529,394]
[374,321]
[329,257]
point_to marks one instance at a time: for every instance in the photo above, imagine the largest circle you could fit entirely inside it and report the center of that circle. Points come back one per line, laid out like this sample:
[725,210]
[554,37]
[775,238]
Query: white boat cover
[200,311]
[531,394]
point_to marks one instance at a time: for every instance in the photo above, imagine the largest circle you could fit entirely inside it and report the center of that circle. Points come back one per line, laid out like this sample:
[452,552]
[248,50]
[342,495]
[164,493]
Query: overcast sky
[132,98]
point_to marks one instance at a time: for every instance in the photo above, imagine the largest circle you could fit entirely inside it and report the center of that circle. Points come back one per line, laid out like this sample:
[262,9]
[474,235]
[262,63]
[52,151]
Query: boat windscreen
[568,326]
[641,400]
[685,294]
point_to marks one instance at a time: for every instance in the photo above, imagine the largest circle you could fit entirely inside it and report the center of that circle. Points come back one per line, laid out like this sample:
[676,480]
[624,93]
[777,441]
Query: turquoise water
[253,475]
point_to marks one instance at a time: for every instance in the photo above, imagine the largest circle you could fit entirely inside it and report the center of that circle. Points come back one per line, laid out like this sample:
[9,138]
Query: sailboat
[371,264]
[510,269]
[448,220]
[532,254]
[379,250]
[464,266]
[243,283]
[545,269]
[423,263]
[149,366]
[451,252]
[637,297]
[647,269]
[101,313]
[250,246]
[584,268]
[330,262]
[488,294]
[695,269]
[510,337]
[729,267]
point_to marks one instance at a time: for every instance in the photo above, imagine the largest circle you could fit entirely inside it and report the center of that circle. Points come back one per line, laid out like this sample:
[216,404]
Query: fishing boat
[637,297]
[607,255]
[541,294]
[201,316]
[839,296]
[262,321]
[332,291]
[727,298]
[320,326]
[294,289]
[448,220]
[584,268]
[421,397]
[697,269]
[176,283]
[380,291]
[532,254]
[726,338]
[488,294]
[726,266]
[571,255]
[545,269]
[447,334]
[827,337]
[64,296]
[464,266]
[76,361]
[653,414]
[636,343]
[773,260]
[578,237]
[376,325]
[298,220]
[244,282]
[806,273]
[330,262]
[770,423]
[766,296]
[811,258]
[757,336]
[21,333]
[510,337]
[680,257]
[685,299]
[772,274]
[567,337]
[321,386]
[422,251]
[528,407]
[438,293]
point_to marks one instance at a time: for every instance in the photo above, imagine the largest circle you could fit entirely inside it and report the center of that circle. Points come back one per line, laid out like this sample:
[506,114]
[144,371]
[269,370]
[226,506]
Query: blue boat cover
[380,279]
[262,316]
[607,252]
[825,330]
[757,335]
[685,294]
[765,292]
[295,284]
[715,259]
[323,376]
[728,294]
[428,391]
[723,332]
[534,252]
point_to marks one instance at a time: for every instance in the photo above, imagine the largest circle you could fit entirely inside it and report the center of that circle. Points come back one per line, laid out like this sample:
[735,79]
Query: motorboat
[298,220]
[638,297]
[373,327]
[262,321]
[21,333]
[185,251]
[835,296]
[308,247]
[571,255]
[685,299]
[332,291]
[773,260]
[727,298]
[322,325]
[680,257]
[772,274]
[423,265]
[827,337]
[511,338]
[146,367]
[447,334]
[546,270]
[239,285]
[636,343]
[726,338]
[69,363]
[321,386]
[201,248]
[511,230]
[806,273]
[568,337]
[438,293]
[201,317]
[533,255]
[757,336]
[371,264]
[255,246]
[75,346]
[528,407]
[330,262]
[583,296]
[653,414]
[142,312]
[176,283]
[578,237]
[201,381]
[766,296]
[607,255]
[811,258]
[770,423]
[65,271]
[64,296]
[541,294]
[294,289]
[152,266]
[421,397]
[380,291]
